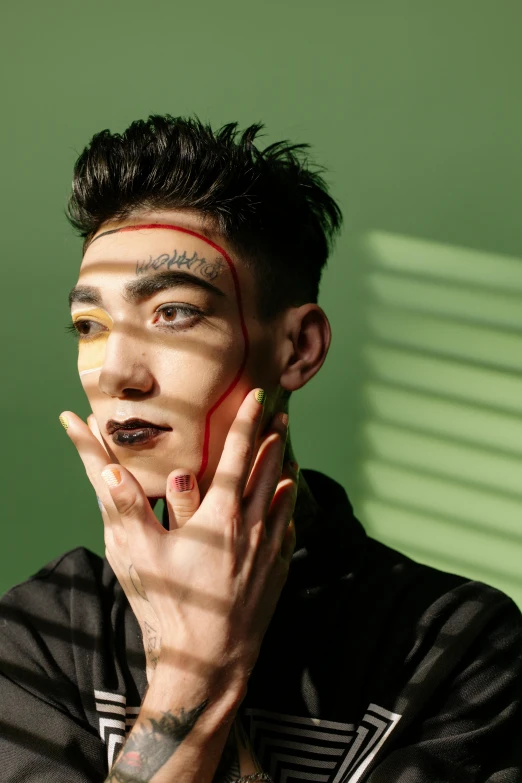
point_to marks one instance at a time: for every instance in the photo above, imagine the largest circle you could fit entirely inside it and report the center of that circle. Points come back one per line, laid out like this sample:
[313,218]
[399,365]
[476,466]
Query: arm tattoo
[208,269]
[151,747]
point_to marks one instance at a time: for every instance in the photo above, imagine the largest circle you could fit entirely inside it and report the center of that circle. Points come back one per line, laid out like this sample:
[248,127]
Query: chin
[153,483]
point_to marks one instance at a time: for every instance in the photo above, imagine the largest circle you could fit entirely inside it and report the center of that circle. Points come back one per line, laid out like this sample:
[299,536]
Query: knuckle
[128,505]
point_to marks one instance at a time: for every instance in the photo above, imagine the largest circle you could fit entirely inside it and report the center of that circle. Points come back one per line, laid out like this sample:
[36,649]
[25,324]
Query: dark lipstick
[134,432]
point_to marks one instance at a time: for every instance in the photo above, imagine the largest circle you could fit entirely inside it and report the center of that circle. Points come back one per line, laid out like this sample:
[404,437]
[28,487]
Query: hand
[214,582]
[96,456]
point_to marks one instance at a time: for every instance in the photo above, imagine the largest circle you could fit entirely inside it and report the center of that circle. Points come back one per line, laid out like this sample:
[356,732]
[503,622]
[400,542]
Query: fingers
[289,539]
[182,497]
[133,508]
[280,525]
[267,471]
[90,447]
[114,485]
[91,451]
[228,484]
[93,426]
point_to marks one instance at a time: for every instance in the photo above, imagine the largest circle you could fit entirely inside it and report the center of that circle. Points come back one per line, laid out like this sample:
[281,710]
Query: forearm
[181,730]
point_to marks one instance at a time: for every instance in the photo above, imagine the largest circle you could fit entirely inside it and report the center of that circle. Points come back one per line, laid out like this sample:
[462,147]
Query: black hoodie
[375,668]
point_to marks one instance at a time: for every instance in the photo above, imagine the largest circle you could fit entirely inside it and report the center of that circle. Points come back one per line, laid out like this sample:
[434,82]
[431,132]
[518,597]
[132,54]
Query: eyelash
[179,308]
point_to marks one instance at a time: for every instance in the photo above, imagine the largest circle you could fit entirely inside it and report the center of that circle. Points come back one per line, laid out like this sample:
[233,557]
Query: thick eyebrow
[85,294]
[138,290]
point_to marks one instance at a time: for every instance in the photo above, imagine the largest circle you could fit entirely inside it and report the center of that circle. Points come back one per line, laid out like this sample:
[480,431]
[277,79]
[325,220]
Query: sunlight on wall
[442,394]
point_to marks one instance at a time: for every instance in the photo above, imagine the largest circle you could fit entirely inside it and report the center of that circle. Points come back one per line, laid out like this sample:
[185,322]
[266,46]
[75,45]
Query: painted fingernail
[182,483]
[64,421]
[100,504]
[111,476]
[260,396]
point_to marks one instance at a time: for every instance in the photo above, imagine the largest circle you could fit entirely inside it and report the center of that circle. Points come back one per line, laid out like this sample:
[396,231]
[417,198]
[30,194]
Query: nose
[125,371]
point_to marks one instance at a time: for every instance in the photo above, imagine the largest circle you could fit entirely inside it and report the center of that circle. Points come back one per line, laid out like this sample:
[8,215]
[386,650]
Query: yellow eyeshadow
[91,353]
[96,313]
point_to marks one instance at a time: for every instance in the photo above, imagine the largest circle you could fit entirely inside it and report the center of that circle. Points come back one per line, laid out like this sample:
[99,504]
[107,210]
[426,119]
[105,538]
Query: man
[258,633]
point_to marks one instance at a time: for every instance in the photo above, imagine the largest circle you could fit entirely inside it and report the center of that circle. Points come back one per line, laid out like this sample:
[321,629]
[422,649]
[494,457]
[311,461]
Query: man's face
[169,345]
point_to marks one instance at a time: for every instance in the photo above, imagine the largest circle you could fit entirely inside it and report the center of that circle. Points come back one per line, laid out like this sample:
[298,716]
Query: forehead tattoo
[179,259]
[208,269]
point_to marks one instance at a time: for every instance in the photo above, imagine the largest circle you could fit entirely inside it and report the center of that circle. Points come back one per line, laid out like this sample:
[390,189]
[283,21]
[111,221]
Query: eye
[169,315]
[86,329]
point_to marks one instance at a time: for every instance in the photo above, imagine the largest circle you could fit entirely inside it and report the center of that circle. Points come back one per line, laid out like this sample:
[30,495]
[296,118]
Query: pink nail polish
[182,483]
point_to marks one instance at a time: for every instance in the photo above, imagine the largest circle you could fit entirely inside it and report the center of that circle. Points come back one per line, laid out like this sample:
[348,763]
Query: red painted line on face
[206,438]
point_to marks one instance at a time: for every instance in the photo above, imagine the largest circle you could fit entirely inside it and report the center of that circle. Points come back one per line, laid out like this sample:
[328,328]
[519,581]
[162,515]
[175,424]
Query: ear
[306,339]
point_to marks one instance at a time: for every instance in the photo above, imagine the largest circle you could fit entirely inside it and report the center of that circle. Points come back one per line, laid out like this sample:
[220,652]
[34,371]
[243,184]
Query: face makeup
[134,432]
[96,325]
[162,398]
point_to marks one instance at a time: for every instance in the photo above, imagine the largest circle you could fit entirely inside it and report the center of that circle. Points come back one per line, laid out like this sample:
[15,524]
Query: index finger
[92,453]
[93,426]
[228,484]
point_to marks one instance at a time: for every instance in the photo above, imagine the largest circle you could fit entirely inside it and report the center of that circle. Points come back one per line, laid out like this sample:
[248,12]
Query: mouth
[134,432]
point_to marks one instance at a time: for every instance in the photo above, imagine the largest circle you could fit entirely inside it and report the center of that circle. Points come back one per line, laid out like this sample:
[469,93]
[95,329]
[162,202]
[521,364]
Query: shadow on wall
[441,431]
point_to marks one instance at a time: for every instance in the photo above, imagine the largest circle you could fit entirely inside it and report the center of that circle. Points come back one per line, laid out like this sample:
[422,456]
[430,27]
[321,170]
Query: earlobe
[309,339]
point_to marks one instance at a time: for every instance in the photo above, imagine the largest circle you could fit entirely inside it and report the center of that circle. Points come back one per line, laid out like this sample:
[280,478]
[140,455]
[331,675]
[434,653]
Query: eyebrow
[138,290]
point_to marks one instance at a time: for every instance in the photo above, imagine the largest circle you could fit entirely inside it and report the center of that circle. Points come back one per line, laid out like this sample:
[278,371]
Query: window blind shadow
[440,432]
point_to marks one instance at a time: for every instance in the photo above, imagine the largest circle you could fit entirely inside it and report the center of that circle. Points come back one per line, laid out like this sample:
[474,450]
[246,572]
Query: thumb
[182,497]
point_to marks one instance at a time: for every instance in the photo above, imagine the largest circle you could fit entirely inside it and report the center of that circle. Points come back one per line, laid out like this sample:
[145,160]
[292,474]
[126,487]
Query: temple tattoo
[150,747]
[208,269]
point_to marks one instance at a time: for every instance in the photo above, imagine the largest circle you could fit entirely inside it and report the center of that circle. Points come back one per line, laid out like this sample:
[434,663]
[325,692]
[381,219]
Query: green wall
[414,107]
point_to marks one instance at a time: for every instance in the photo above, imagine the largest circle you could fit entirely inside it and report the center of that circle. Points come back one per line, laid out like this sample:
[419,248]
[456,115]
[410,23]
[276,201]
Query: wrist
[174,686]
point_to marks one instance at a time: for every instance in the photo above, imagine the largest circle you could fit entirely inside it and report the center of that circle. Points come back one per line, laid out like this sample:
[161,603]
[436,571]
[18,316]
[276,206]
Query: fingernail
[260,396]
[64,421]
[294,466]
[111,476]
[283,418]
[100,504]
[182,483]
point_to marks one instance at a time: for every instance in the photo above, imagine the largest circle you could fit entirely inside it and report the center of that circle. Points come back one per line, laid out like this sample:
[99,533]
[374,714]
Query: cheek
[91,355]
[195,379]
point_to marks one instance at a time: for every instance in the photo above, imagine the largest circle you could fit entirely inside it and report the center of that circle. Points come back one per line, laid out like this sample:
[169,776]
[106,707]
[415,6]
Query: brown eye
[169,313]
[177,316]
[87,329]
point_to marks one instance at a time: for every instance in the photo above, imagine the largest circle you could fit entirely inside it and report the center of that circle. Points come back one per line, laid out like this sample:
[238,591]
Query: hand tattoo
[136,582]
[153,644]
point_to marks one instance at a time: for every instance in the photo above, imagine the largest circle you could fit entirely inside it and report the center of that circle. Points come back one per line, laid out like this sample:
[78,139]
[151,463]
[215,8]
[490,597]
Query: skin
[195,380]
[176,377]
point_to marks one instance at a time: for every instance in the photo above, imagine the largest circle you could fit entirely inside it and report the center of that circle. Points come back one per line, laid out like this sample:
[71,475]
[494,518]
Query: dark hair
[272,209]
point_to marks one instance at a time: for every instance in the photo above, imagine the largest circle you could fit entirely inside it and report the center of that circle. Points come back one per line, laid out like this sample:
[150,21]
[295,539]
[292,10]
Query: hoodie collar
[331,543]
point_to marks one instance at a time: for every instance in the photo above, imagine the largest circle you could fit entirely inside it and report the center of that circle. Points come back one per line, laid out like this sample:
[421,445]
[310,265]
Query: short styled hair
[271,207]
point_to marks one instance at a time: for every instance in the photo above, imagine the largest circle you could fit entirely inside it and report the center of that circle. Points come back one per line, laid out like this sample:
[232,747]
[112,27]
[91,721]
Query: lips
[134,432]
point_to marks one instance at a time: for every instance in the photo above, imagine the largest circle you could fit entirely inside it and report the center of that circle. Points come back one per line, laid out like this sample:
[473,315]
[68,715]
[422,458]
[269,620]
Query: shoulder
[46,616]
[79,569]
[429,603]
